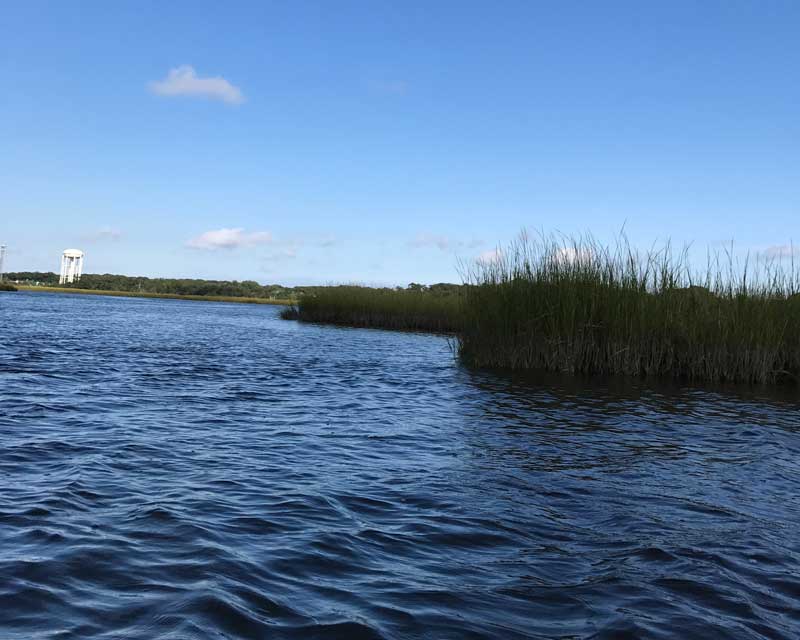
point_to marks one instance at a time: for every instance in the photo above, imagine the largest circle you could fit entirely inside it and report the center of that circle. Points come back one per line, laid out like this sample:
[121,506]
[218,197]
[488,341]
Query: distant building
[71,266]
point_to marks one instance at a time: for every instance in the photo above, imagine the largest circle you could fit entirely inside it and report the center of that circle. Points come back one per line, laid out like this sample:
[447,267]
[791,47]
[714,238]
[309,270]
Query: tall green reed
[574,305]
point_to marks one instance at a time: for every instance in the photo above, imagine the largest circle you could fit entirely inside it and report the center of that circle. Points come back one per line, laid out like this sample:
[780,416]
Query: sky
[390,142]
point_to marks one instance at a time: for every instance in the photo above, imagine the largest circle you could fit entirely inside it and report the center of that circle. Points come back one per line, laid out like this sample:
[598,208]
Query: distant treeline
[175,286]
[195,287]
[33,277]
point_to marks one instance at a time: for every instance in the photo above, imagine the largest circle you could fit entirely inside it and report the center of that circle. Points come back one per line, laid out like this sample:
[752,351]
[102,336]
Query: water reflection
[674,503]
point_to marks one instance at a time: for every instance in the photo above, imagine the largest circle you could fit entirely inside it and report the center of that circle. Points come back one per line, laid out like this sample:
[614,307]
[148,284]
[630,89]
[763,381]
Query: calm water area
[173,469]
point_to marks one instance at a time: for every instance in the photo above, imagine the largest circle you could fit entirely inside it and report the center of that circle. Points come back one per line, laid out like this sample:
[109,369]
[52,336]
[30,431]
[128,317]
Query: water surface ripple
[174,469]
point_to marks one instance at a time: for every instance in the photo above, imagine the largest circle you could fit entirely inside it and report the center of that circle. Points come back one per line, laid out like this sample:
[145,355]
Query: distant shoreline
[143,294]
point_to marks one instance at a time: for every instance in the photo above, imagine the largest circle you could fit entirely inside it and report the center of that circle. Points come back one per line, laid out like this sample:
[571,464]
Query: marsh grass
[380,308]
[572,305]
[5,286]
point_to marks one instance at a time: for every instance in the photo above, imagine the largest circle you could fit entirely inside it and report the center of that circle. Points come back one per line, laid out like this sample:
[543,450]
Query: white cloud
[229,239]
[184,81]
[573,255]
[491,256]
[782,251]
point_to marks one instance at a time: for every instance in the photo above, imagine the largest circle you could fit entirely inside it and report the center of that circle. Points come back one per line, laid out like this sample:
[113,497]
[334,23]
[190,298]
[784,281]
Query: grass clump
[414,309]
[572,305]
[5,286]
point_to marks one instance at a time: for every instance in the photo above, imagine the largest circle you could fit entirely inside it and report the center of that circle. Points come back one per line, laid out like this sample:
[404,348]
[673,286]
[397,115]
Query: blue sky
[381,142]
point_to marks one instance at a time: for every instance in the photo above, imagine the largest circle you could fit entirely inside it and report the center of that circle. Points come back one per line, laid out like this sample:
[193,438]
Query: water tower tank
[71,266]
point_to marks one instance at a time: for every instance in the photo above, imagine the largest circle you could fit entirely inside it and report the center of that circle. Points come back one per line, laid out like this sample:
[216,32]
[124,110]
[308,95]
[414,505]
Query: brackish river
[175,469]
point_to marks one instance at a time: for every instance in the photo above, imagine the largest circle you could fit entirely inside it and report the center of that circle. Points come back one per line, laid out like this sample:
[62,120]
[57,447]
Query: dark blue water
[173,469]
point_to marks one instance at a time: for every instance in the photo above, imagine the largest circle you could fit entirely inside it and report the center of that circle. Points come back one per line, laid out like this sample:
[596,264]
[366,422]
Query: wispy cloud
[229,239]
[443,243]
[491,256]
[287,253]
[782,251]
[101,235]
[429,240]
[184,81]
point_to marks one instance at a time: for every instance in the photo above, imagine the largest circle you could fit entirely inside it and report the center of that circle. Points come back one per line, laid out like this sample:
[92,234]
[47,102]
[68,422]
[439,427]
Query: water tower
[71,266]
